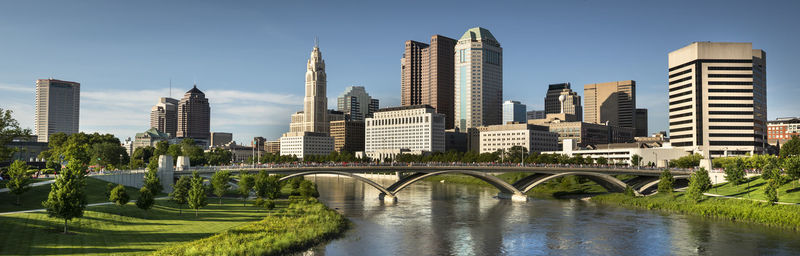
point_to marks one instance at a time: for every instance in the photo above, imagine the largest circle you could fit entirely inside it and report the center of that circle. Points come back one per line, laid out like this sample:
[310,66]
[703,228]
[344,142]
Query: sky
[249,57]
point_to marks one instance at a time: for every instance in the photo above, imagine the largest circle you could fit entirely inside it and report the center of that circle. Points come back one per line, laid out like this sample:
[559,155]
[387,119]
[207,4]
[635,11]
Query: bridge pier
[387,198]
[516,197]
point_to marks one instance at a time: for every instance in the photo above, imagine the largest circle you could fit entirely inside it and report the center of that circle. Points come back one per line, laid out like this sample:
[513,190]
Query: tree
[108,153]
[109,187]
[602,161]
[792,167]
[246,182]
[151,179]
[771,191]
[629,191]
[220,181]
[734,171]
[162,148]
[666,182]
[636,160]
[19,179]
[174,151]
[699,183]
[9,130]
[67,198]
[791,147]
[119,195]
[308,189]
[689,161]
[218,156]
[180,192]
[145,200]
[267,186]
[141,156]
[197,194]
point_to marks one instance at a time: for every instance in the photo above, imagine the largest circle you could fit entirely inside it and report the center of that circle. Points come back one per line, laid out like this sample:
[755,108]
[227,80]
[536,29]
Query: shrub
[119,195]
[666,182]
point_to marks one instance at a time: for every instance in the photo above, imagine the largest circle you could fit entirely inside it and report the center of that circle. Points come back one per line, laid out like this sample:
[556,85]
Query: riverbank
[785,216]
[301,225]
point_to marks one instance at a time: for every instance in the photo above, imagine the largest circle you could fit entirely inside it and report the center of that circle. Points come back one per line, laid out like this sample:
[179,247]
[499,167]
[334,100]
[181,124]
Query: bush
[666,182]
[734,171]
[699,183]
[119,196]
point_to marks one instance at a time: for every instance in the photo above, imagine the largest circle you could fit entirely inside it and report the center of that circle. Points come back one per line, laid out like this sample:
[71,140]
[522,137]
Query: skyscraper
[612,102]
[551,104]
[355,102]
[164,116]
[717,98]
[514,111]
[194,116]
[478,79]
[641,122]
[427,75]
[315,104]
[57,108]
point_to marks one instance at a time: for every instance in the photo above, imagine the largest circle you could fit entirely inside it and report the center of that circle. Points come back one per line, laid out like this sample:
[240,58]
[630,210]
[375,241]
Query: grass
[294,229]
[4,182]
[110,229]
[787,216]
[552,189]
[788,192]
[33,198]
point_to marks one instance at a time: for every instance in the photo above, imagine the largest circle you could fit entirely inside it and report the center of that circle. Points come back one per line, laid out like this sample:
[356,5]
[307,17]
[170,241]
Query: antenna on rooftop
[316,42]
[170,87]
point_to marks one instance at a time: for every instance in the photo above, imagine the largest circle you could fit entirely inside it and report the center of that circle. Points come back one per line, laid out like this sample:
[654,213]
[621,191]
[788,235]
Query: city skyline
[232,91]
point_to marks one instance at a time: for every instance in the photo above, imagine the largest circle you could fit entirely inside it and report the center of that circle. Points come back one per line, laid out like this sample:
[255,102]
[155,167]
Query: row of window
[731,75]
[734,143]
[729,83]
[730,105]
[734,135]
[708,61]
[730,90]
[680,94]
[680,87]
[680,108]
[680,73]
[730,68]
[730,120]
[680,101]
[680,115]
[679,80]
[730,128]
[730,97]
[744,113]
[681,122]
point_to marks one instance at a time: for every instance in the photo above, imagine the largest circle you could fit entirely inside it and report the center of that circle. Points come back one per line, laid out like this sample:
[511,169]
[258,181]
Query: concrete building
[304,144]
[309,130]
[220,138]
[426,75]
[455,140]
[412,128]
[613,103]
[534,138]
[551,103]
[717,98]
[586,134]
[535,114]
[622,153]
[149,138]
[514,111]
[334,115]
[356,103]
[128,145]
[478,80]
[315,103]
[239,153]
[781,130]
[273,147]
[194,116]
[164,116]
[640,120]
[25,149]
[347,135]
[57,108]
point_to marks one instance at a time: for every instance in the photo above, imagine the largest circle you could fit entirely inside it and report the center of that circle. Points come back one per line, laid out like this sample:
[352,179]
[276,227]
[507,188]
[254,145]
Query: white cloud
[17,88]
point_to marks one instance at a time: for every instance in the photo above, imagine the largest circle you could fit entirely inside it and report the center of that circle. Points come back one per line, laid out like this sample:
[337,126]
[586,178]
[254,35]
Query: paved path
[32,185]
[742,198]
[89,205]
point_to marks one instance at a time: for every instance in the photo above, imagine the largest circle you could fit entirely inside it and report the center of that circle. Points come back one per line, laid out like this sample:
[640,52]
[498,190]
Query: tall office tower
[57,108]
[718,98]
[315,104]
[551,104]
[427,75]
[356,103]
[612,102]
[478,80]
[194,116]
[641,122]
[536,114]
[164,116]
[514,111]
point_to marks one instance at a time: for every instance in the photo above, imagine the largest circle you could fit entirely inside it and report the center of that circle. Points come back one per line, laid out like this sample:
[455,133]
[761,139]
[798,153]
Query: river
[433,218]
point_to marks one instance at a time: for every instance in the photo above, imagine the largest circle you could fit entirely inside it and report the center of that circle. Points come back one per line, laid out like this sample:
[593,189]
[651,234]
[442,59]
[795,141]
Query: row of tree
[187,147]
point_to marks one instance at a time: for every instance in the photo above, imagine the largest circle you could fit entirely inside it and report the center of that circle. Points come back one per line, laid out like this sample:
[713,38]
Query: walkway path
[32,185]
[742,198]
[89,205]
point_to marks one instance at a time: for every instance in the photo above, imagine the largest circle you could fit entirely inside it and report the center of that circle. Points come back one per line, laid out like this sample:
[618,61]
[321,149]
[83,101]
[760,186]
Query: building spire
[316,42]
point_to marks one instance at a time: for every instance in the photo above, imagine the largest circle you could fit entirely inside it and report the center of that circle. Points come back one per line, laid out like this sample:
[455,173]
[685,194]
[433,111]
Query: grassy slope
[297,228]
[789,192]
[111,229]
[33,198]
[787,216]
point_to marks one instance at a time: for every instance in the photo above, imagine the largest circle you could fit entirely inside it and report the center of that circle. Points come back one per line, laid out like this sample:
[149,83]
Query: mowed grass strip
[115,230]
[787,193]
[33,198]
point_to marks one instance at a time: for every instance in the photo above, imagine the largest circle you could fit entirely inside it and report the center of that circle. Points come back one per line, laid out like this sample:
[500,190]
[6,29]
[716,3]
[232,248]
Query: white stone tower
[316,102]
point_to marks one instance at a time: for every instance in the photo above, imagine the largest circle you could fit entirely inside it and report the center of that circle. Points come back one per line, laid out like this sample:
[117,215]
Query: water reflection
[449,219]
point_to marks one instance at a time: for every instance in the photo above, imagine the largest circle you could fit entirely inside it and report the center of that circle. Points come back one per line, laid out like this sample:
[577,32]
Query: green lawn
[789,192]
[33,198]
[110,229]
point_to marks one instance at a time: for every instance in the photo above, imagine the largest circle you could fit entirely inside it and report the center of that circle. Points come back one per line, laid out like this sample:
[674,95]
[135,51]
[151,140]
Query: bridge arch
[498,183]
[351,175]
[646,187]
[606,181]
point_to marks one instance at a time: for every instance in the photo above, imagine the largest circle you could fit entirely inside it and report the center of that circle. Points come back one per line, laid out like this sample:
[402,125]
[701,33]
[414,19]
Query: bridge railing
[425,164]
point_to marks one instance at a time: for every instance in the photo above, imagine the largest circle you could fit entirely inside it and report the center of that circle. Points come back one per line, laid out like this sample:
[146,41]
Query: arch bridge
[644,182]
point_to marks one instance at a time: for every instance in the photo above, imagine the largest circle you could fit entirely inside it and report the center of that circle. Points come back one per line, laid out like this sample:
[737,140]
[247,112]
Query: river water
[432,218]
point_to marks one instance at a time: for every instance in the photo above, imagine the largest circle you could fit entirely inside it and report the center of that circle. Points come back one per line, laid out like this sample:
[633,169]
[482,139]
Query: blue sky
[249,57]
